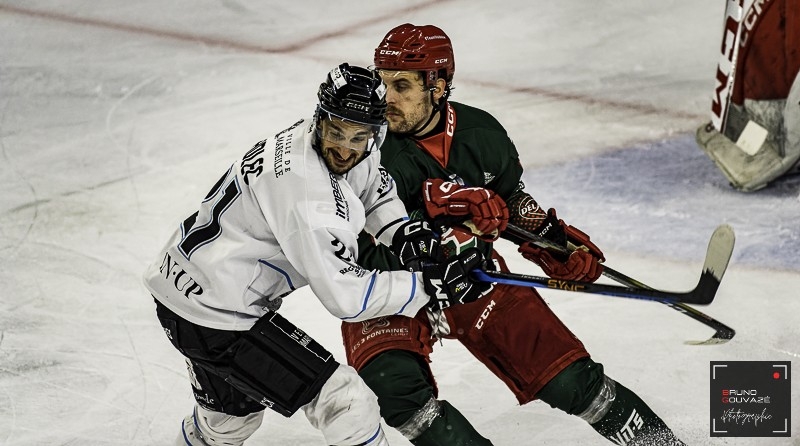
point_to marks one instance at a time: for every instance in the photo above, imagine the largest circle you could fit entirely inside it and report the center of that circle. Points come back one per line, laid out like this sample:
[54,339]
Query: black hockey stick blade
[722,332]
[718,255]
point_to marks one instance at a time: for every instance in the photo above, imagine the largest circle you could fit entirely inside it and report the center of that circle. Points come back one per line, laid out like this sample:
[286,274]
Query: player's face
[343,144]
[408,102]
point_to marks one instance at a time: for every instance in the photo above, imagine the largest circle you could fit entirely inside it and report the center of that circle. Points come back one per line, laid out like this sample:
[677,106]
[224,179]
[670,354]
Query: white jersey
[279,220]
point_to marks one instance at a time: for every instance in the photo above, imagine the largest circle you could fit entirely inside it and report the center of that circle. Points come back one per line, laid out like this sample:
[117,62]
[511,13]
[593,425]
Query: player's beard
[339,165]
[407,122]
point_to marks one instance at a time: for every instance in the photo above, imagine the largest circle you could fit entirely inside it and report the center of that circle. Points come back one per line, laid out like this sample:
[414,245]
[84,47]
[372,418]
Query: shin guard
[582,389]
[448,428]
[407,398]
[627,420]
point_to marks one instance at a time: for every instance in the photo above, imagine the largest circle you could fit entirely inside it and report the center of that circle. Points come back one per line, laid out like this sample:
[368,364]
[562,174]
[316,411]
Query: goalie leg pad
[280,366]
[777,154]
[745,172]
[791,126]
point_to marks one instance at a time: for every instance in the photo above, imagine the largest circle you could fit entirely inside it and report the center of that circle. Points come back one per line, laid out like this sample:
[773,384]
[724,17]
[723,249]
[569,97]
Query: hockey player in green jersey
[451,163]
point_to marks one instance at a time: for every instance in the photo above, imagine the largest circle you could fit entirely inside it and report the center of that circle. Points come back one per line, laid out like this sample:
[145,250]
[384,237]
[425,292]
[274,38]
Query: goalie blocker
[754,134]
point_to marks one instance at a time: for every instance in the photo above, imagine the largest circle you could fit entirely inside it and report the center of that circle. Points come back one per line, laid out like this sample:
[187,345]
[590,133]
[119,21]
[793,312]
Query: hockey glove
[456,240]
[450,203]
[414,243]
[583,264]
[579,266]
[449,283]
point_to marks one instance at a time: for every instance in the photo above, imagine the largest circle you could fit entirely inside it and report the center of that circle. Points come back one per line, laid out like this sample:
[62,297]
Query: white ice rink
[116,117]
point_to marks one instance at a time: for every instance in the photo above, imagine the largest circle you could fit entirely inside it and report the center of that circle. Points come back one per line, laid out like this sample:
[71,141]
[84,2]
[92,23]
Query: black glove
[449,283]
[415,244]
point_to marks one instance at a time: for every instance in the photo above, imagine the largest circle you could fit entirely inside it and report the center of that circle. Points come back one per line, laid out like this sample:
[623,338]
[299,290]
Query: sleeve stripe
[282,272]
[413,293]
[373,437]
[383,229]
[377,205]
[366,297]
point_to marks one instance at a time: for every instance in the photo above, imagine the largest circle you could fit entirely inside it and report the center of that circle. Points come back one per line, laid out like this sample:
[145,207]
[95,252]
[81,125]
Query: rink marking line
[214,41]
[343,31]
[589,100]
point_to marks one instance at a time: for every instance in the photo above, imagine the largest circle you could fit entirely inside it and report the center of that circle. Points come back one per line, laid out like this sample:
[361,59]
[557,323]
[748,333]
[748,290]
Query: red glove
[583,264]
[580,265]
[488,212]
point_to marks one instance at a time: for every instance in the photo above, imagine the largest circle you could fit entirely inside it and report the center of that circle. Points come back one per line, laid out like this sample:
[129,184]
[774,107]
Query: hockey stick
[722,333]
[702,294]
[721,244]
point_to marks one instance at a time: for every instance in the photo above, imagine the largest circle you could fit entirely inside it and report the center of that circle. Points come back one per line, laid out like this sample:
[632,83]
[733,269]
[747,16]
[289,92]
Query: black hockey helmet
[356,95]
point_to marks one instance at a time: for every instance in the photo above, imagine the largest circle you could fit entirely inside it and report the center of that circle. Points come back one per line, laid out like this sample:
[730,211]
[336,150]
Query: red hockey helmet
[423,48]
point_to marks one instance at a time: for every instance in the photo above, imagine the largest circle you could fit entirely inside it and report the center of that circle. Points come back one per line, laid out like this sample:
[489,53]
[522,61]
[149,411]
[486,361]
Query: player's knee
[206,427]
[345,410]
[402,383]
[580,389]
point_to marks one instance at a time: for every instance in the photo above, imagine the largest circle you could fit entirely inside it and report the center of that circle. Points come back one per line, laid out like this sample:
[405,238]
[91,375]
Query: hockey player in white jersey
[285,215]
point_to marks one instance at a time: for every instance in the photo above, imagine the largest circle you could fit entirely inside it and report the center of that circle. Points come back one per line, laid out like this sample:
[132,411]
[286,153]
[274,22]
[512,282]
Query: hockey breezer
[720,248]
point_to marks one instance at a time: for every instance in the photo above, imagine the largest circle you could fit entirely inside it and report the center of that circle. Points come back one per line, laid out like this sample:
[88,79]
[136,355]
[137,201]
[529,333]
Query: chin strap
[437,109]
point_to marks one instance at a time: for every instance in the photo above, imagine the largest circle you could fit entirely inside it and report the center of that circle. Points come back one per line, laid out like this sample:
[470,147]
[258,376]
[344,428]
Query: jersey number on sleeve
[216,202]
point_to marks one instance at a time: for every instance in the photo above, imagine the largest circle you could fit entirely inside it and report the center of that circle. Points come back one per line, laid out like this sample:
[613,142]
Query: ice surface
[115,117]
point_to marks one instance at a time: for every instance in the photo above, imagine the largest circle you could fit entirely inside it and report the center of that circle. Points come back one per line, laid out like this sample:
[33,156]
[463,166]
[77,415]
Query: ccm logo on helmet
[440,61]
[390,52]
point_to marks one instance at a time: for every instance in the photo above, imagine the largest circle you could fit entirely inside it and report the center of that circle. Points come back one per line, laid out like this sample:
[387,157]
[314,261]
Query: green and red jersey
[471,147]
